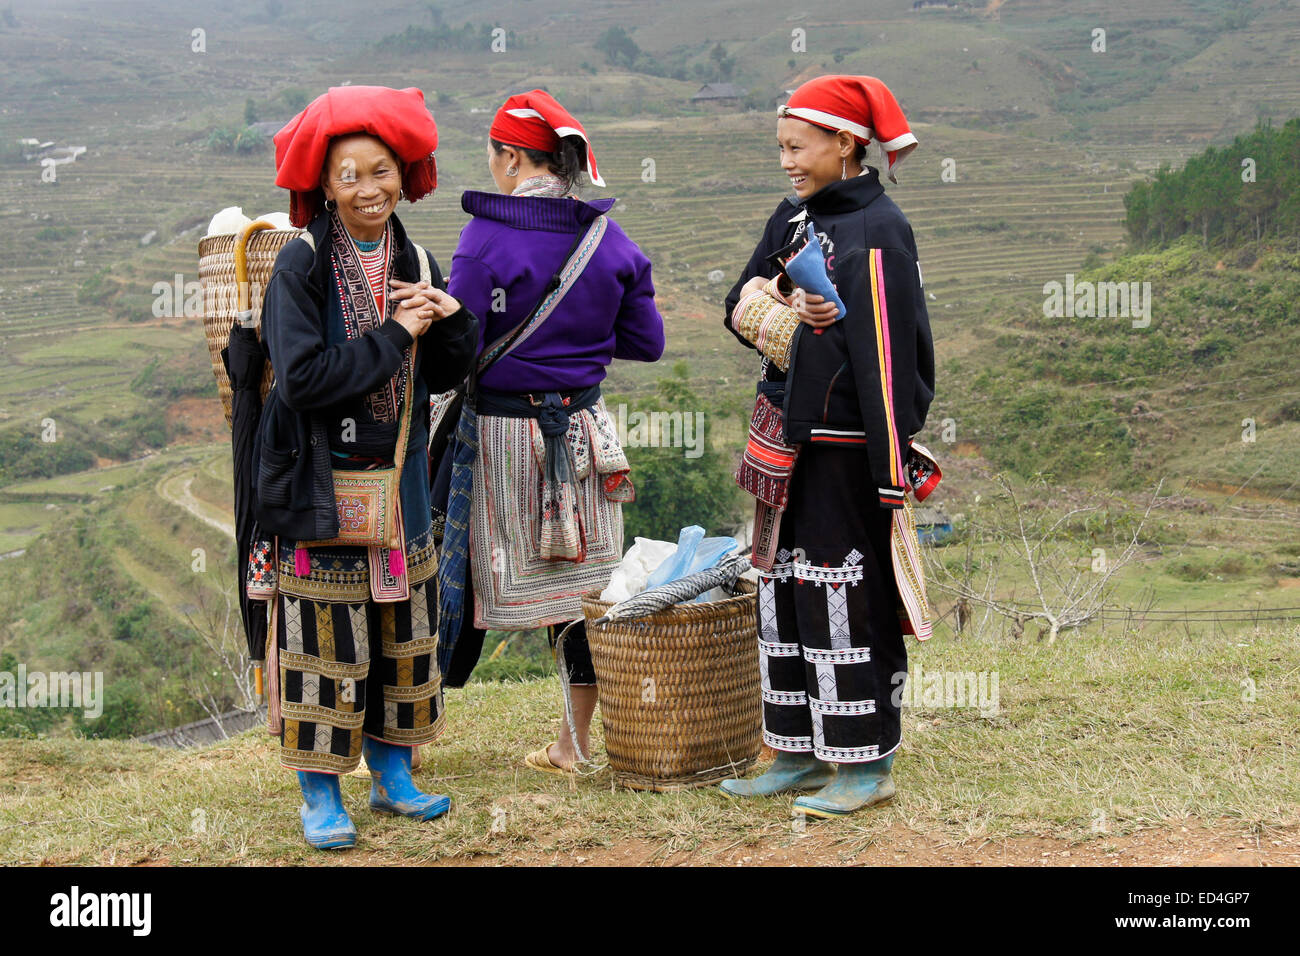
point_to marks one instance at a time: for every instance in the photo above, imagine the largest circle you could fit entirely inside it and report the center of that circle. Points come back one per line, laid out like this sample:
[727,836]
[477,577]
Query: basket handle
[241,268]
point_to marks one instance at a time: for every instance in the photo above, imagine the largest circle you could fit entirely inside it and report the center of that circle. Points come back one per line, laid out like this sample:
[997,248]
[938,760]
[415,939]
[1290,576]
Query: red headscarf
[398,117]
[534,120]
[862,105]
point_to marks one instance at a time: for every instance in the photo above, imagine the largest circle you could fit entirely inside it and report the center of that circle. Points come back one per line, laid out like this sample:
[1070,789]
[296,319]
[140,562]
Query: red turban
[398,117]
[862,105]
[534,120]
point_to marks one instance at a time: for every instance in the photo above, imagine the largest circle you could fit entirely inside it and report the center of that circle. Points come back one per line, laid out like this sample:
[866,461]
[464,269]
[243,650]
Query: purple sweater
[515,244]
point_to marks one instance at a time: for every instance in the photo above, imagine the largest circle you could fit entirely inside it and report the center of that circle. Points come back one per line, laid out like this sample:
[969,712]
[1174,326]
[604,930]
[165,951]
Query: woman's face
[813,157]
[363,176]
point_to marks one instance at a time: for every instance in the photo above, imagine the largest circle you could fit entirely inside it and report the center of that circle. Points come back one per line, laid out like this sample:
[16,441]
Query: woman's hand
[419,305]
[412,311]
[814,310]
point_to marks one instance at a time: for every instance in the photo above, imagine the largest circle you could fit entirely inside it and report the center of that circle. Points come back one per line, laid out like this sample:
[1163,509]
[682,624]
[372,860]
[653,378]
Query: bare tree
[219,625]
[1067,594]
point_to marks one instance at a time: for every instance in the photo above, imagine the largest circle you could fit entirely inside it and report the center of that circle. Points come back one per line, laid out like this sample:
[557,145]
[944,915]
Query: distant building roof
[718,91]
[932,516]
[207,731]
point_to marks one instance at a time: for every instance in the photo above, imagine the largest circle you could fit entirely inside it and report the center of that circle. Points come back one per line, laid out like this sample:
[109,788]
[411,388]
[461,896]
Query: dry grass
[1146,730]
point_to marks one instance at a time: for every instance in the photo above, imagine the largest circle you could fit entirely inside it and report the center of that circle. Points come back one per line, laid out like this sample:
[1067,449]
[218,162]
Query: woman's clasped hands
[419,305]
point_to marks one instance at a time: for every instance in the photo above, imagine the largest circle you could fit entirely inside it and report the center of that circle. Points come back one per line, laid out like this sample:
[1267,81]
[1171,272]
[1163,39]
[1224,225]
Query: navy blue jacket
[838,389]
[322,378]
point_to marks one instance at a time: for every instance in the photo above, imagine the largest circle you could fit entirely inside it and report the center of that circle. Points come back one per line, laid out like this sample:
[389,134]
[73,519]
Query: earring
[512,171]
[330,205]
[844,168]
[401,194]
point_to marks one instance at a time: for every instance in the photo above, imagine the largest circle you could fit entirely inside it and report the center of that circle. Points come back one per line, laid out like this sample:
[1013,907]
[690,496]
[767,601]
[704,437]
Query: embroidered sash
[361,311]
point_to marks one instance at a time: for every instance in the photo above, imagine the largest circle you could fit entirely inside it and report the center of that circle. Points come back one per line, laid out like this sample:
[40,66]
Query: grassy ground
[1094,740]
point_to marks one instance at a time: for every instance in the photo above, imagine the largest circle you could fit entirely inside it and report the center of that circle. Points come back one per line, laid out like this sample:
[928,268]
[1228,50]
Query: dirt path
[175,489]
[1193,844]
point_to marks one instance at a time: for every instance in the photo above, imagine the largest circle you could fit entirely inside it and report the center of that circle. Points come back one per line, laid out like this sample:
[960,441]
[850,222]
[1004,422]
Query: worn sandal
[541,760]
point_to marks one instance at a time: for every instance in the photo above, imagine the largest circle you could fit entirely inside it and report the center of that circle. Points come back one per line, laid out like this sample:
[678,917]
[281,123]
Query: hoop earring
[512,171]
[844,167]
[330,205]
[401,194]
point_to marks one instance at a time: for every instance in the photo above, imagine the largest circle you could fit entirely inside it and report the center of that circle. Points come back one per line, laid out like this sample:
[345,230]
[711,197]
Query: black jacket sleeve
[894,325]
[923,380]
[923,386]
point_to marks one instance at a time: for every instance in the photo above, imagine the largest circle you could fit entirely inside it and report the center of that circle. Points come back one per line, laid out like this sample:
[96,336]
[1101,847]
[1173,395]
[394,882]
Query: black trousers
[831,646]
[577,652]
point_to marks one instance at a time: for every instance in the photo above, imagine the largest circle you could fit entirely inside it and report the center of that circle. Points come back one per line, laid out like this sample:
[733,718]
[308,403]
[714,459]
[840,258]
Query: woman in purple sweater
[544,523]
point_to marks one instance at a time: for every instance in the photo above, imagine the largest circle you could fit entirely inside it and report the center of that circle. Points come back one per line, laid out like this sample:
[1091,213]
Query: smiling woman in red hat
[842,582]
[358,339]
[563,292]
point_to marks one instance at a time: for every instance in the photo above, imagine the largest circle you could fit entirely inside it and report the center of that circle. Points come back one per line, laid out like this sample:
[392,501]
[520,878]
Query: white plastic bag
[630,577]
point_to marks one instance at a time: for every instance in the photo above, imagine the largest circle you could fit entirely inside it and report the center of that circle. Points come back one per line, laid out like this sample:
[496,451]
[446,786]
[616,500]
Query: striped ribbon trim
[909,575]
[880,311]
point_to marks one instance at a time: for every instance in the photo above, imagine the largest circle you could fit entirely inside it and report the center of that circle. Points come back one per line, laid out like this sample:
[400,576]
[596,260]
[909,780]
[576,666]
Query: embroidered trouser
[353,669]
[832,656]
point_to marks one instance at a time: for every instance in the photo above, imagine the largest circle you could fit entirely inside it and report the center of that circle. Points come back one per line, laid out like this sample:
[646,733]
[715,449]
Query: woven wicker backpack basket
[680,693]
[234,270]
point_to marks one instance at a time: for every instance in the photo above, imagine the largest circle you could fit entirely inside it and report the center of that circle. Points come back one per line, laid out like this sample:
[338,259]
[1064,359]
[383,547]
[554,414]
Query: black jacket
[320,386]
[841,389]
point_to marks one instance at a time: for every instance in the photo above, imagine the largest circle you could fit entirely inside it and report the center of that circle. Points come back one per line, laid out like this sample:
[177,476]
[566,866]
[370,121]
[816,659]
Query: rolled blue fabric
[807,269]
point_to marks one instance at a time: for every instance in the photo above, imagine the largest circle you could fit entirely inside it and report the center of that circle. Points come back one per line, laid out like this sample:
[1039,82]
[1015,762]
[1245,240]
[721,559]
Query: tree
[1070,580]
[250,112]
[724,64]
[672,489]
[618,46]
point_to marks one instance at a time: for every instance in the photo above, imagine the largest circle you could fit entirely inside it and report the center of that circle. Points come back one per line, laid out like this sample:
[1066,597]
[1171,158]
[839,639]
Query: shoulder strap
[581,253]
[404,426]
[425,274]
[308,238]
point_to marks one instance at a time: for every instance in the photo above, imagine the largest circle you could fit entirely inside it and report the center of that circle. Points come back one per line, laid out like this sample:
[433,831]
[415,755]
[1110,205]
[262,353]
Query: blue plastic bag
[694,553]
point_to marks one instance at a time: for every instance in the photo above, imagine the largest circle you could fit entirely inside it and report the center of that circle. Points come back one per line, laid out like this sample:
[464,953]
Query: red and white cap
[535,120]
[863,105]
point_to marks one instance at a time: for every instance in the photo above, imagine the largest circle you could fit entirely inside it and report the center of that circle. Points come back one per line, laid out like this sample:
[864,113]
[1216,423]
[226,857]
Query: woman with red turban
[842,582]
[544,523]
[356,627]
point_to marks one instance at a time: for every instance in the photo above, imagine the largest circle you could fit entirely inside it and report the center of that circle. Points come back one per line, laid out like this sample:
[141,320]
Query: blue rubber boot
[325,823]
[391,788]
[857,785]
[790,772]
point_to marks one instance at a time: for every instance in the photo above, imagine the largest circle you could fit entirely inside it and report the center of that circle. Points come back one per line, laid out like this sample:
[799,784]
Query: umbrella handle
[241,259]
[258,688]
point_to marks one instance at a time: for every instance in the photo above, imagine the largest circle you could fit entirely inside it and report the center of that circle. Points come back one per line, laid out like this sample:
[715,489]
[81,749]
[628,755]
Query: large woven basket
[218,272]
[680,694]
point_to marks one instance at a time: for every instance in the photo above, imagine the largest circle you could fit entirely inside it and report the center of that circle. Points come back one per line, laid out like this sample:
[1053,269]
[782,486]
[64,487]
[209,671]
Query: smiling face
[363,176]
[814,157]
